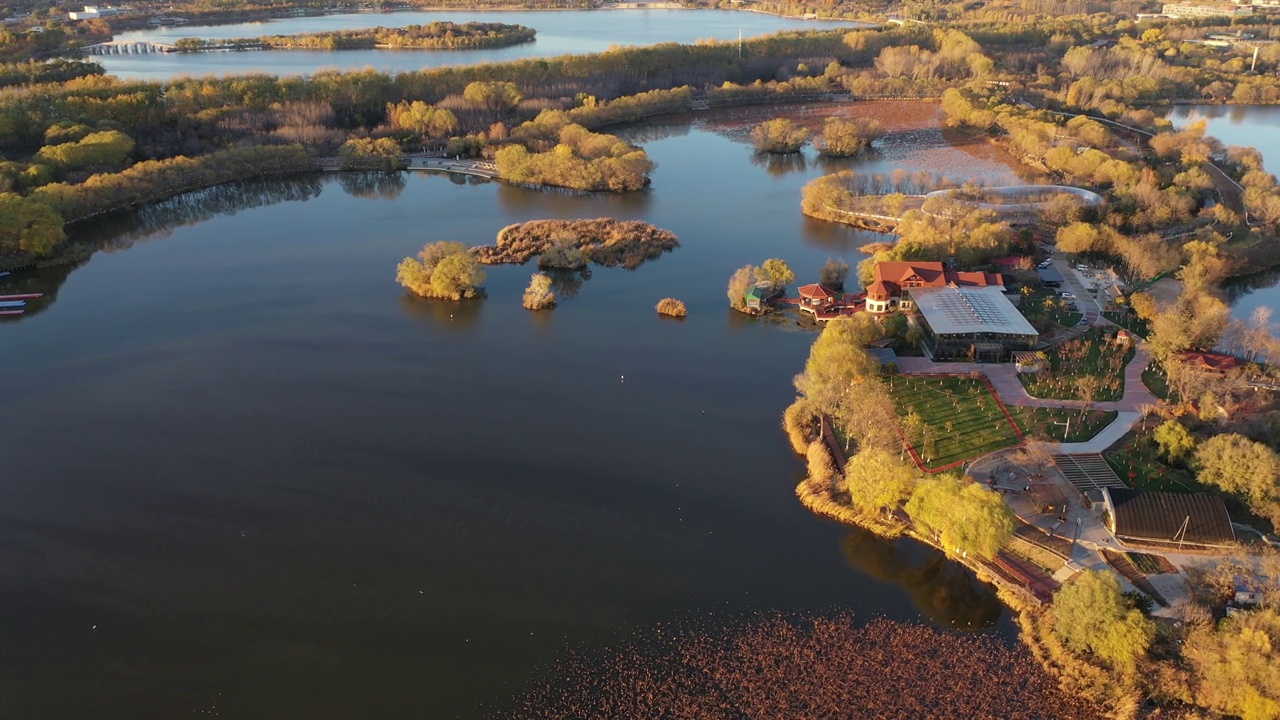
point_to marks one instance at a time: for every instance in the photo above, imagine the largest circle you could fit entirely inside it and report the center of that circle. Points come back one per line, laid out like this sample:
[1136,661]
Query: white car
[1082,268]
[1066,295]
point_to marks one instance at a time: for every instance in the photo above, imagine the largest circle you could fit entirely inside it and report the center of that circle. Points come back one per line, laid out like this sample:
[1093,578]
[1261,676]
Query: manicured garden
[950,419]
[1087,368]
[1052,423]
[1128,321]
[1138,464]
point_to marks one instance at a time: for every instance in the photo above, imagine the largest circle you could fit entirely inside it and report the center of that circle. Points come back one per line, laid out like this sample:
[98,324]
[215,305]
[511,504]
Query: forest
[433,36]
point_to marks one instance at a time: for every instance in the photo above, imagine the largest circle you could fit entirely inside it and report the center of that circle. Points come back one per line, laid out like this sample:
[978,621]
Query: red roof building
[886,293]
[1209,362]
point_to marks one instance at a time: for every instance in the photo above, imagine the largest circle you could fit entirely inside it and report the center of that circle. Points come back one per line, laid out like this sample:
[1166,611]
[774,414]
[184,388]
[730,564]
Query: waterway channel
[560,32]
[245,475]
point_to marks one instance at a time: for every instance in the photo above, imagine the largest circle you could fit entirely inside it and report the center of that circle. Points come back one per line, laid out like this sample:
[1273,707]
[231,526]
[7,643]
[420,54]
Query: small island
[571,244]
[433,36]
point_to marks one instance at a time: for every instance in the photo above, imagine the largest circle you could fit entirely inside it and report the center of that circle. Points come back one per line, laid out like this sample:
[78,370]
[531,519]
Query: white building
[92,12]
[1194,11]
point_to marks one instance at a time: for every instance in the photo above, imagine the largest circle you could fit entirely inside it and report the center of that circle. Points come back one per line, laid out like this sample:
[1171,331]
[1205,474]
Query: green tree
[1237,664]
[877,480]
[496,97]
[1237,464]
[1174,440]
[779,135]
[962,515]
[1090,614]
[421,119]
[777,272]
[28,226]
[370,154]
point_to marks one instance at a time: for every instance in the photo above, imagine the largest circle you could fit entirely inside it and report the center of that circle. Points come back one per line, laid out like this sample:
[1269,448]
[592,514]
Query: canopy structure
[1198,519]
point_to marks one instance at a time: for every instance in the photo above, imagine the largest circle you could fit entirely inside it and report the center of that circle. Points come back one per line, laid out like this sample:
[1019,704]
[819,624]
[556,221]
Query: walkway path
[431,162]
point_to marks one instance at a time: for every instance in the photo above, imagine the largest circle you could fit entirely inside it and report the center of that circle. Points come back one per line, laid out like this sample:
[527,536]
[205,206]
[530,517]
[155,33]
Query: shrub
[834,272]
[605,241]
[846,138]
[672,308]
[822,469]
[539,296]
[800,420]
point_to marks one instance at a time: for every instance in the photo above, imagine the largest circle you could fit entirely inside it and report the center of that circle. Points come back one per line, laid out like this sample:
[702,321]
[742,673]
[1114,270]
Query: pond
[560,32]
[246,475]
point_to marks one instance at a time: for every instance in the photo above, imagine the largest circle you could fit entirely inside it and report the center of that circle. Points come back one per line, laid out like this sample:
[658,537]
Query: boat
[22,296]
[12,312]
[13,303]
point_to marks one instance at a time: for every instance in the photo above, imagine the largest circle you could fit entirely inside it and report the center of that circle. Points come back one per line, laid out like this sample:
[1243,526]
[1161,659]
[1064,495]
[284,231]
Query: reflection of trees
[841,239]
[456,316]
[566,283]
[652,132]
[373,185]
[1238,287]
[121,231]
[46,280]
[778,164]
[552,202]
[945,591]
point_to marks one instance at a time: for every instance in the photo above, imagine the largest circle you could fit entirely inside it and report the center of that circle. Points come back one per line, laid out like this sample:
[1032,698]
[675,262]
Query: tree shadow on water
[373,185]
[458,316]
[946,592]
[779,165]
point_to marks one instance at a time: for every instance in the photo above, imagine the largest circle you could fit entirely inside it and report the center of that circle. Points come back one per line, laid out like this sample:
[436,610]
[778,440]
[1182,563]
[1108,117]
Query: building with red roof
[1209,362]
[887,294]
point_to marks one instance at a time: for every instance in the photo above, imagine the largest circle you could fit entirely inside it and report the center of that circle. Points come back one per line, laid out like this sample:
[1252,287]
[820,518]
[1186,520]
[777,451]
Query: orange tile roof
[816,291]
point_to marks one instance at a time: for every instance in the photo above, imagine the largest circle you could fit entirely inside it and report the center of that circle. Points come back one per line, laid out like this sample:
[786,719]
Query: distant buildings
[962,314]
[92,12]
[1194,11]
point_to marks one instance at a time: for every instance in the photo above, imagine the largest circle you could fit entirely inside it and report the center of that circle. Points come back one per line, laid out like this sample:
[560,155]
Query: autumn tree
[496,97]
[1090,615]
[833,272]
[539,295]
[442,270]
[846,137]
[779,135]
[962,515]
[370,154]
[421,119]
[741,281]
[28,226]
[1237,664]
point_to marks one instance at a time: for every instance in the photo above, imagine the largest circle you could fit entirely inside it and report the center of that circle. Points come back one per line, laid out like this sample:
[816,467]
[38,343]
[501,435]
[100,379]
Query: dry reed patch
[803,667]
[605,241]
[672,307]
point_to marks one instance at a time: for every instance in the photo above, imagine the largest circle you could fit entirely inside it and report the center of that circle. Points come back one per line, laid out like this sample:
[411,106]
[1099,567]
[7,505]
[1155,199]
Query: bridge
[119,47]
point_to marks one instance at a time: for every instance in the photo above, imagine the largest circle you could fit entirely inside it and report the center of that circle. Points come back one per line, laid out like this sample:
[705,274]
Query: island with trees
[440,35]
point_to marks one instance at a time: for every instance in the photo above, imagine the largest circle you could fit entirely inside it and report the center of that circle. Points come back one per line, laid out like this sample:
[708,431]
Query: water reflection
[46,280]
[119,232]
[456,316]
[552,202]
[566,283]
[373,185]
[840,239]
[655,131]
[945,591]
[779,165]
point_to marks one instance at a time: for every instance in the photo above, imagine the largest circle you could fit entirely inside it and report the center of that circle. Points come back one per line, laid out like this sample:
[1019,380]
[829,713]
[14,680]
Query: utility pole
[1255,52]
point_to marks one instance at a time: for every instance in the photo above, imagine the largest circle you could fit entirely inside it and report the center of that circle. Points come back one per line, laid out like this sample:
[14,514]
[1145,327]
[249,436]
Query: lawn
[1088,360]
[1051,423]
[955,419]
[1046,312]
[1157,382]
[1137,462]
[1128,321]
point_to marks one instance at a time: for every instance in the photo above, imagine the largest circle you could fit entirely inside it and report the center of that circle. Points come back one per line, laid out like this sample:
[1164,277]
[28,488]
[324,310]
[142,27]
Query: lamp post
[1067,433]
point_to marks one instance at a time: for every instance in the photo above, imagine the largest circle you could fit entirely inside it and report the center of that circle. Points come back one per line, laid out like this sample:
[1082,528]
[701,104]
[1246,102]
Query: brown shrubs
[606,241]
[672,307]
[800,420]
[539,296]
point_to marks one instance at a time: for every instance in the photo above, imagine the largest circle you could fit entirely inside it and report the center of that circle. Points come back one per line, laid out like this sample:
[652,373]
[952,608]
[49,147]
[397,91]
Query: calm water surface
[244,474]
[559,33]
[1255,126]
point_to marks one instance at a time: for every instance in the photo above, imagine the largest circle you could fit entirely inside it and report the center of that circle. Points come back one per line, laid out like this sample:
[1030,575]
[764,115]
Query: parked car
[1082,268]
[1045,264]
[1066,295]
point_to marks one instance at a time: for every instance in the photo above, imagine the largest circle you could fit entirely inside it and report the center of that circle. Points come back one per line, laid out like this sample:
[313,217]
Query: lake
[1256,126]
[246,475]
[560,32]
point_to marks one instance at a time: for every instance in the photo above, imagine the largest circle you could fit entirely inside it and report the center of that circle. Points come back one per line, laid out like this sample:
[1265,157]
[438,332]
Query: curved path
[431,162]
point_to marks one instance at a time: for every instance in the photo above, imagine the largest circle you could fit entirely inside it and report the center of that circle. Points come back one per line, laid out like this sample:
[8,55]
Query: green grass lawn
[959,418]
[1047,312]
[1089,356]
[1128,321]
[1137,462]
[1156,382]
[1050,423]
